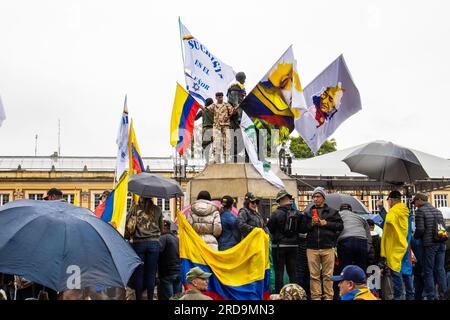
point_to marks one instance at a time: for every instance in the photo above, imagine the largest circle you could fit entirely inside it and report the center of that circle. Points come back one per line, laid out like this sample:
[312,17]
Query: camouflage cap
[281,194]
[292,291]
[196,272]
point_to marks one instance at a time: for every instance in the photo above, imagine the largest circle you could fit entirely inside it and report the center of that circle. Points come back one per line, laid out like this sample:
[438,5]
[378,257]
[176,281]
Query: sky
[74,61]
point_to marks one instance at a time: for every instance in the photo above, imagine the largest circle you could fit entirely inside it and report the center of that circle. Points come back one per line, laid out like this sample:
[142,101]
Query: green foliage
[301,150]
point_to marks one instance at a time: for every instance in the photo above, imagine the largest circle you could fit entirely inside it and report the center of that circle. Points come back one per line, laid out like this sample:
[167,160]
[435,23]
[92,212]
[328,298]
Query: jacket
[355,226]
[230,231]
[204,218]
[169,255]
[319,237]
[394,242]
[276,226]
[148,226]
[426,218]
[194,295]
[359,294]
[248,220]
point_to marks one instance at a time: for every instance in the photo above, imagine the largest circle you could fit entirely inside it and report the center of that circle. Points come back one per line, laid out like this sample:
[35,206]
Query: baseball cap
[197,272]
[219,94]
[53,192]
[352,273]
[420,196]
[227,201]
[281,194]
[394,195]
[251,197]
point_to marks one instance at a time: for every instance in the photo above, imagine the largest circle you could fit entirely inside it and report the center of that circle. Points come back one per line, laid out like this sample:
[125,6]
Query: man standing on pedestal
[221,127]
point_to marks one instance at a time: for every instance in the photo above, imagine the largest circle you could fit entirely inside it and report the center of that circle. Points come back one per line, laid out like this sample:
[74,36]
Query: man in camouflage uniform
[235,95]
[197,283]
[221,127]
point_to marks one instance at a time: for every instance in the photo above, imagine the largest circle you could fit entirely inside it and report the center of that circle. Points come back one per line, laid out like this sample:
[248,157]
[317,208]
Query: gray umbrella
[334,200]
[385,161]
[151,185]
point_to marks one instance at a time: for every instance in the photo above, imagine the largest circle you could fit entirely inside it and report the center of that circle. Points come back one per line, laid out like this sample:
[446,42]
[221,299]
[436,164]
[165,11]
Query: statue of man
[221,127]
[235,95]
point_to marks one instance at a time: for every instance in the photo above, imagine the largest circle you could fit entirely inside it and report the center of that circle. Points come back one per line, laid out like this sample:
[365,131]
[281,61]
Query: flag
[332,97]
[205,73]
[76,201]
[278,98]
[116,205]
[250,142]
[2,112]
[239,273]
[122,144]
[182,122]
[136,164]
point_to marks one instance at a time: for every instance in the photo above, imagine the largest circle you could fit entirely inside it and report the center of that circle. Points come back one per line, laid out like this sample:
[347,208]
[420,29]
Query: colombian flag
[116,205]
[136,164]
[183,116]
[239,273]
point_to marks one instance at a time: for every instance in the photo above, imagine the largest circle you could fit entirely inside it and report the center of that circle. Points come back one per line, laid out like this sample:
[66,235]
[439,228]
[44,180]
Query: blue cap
[352,273]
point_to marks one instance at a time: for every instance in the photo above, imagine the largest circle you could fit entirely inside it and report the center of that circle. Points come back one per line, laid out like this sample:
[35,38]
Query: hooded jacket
[204,218]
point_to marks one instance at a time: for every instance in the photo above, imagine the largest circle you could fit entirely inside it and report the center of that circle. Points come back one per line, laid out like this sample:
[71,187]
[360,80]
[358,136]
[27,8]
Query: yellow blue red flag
[278,98]
[239,273]
[136,164]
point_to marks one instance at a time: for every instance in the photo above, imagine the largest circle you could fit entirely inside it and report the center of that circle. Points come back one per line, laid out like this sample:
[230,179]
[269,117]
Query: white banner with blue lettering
[205,73]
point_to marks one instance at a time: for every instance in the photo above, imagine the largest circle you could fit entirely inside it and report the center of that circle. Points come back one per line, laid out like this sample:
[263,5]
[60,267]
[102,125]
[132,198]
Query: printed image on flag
[278,98]
[182,121]
[239,273]
[122,144]
[136,164]
[205,73]
[331,97]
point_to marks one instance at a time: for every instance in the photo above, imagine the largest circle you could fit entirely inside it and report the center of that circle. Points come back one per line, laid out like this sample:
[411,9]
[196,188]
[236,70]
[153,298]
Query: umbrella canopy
[334,200]
[151,185]
[51,242]
[385,161]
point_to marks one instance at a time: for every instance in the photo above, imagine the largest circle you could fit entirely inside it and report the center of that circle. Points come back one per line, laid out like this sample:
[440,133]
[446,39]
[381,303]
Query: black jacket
[322,237]
[276,226]
[169,255]
[426,217]
[248,220]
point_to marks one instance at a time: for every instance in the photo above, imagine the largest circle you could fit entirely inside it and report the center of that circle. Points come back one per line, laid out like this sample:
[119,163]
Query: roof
[331,164]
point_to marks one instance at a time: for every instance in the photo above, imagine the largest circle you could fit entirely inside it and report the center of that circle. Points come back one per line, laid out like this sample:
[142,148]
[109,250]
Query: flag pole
[181,40]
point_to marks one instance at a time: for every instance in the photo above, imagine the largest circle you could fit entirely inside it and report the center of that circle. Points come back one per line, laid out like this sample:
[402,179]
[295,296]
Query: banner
[332,97]
[205,73]
[122,144]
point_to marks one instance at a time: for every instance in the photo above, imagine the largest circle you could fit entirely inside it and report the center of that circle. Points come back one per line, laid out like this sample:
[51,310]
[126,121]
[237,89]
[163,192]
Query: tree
[301,150]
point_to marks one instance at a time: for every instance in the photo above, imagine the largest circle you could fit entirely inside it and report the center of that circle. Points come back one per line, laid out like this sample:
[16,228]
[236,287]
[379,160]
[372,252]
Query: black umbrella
[334,200]
[385,161]
[151,185]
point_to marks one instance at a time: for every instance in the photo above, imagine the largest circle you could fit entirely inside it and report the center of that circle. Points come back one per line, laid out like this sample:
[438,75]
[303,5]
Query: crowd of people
[320,254]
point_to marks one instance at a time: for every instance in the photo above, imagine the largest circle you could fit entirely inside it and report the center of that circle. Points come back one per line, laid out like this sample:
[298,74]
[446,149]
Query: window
[129,200]
[4,198]
[164,204]
[373,202]
[97,198]
[36,196]
[70,197]
[440,200]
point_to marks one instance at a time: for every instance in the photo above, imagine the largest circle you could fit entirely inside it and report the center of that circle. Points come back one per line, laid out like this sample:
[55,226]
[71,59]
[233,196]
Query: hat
[420,196]
[321,191]
[196,272]
[352,273]
[292,291]
[281,194]
[251,197]
[394,195]
[53,192]
[219,94]
[227,201]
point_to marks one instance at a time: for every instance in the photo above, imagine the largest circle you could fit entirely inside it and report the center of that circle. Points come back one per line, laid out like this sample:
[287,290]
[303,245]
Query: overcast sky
[76,60]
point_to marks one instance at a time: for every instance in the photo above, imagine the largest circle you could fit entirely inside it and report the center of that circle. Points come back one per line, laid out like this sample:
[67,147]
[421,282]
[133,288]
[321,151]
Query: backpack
[439,232]
[291,223]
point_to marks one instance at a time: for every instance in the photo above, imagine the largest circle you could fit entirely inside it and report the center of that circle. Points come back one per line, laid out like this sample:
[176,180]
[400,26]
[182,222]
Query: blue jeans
[169,286]
[353,251]
[145,274]
[434,264]
[397,281]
